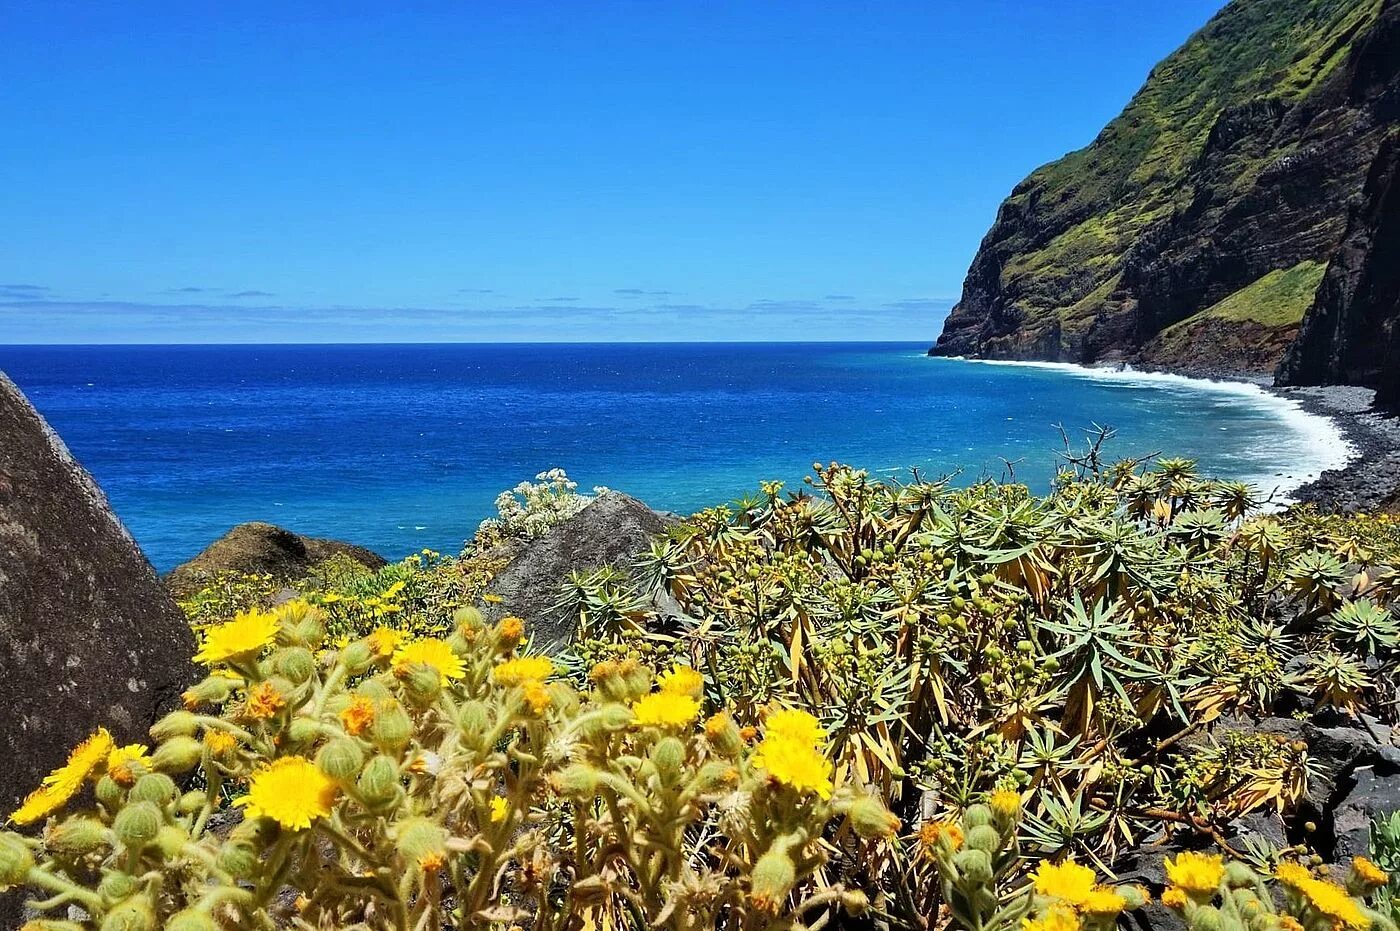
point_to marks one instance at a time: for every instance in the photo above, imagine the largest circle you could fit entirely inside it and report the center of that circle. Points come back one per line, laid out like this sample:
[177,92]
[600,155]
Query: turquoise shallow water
[404,446]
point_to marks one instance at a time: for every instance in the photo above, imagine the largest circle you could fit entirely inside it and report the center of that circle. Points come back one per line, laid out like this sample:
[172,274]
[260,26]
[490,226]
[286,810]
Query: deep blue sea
[399,447]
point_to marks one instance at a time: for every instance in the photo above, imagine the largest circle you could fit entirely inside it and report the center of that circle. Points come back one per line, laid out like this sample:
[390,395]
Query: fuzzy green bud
[1135,896]
[422,683]
[984,837]
[177,755]
[378,784]
[137,824]
[975,866]
[416,838]
[1239,875]
[133,914]
[77,837]
[171,840]
[191,919]
[977,815]
[341,759]
[855,902]
[310,632]
[871,819]
[475,721]
[15,860]
[174,724]
[607,719]
[52,924]
[116,886]
[392,728]
[578,780]
[1206,918]
[296,663]
[468,618]
[668,756]
[191,802]
[153,787]
[109,794]
[773,878]
[239,860]
[213,690]
[357,657]
[303,731]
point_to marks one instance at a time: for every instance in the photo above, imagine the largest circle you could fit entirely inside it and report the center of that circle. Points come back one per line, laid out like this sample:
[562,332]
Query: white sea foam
[1307,445]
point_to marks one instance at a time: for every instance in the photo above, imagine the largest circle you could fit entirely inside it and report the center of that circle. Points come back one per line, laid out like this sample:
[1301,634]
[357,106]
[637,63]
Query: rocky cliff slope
[1240,194]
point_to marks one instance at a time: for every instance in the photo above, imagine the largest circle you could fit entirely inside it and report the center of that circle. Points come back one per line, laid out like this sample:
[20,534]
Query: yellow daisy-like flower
[1005,802]
[523,669]
[1332,900]
[795,763]
[63,783]
[666,709]
[499,808]
[1174,898]
[291,791]
[1292,874]
[1102,900]
[682,680]
[119,763]
[796,725]
[1199,873]
[384,641]
[1056,918]
[243,637]
[219,743]
[1069,882]
[1368,872]
[537,696]
[431,652]
[357,716]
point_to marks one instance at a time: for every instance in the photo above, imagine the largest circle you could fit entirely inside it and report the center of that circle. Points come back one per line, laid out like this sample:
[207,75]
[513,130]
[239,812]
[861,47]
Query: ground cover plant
[904,703]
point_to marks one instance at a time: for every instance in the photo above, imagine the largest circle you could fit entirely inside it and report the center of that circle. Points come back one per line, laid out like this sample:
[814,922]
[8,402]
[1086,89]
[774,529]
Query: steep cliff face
[1197,229]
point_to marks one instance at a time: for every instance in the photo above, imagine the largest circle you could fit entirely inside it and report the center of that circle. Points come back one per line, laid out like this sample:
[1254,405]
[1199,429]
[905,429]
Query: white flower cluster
[531,508]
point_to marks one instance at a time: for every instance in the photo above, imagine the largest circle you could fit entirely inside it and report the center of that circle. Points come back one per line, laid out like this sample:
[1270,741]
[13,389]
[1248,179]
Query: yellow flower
[1102,900]
[219,743]
[1368,872]
[1193,872]
[1056,918]
[510,631]
[499,808]
[666,709]
[264,701]
[523,669]
[431,652]
[384,641]
[357,716]
[431,862]
[537,696]
[795,763]
[1289,923]
[1292,874]
[291,791]
[492,599]
[244,636]
[1332,900]
[797,725]
[682,680]
[1069,882]
[63,783]
[1005,803]
[119,762]
[1174,898]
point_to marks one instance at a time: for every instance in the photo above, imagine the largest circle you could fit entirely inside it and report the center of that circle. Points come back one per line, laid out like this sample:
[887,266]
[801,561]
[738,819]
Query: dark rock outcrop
[88,635]
[1194,231]
[613,530]
[265,549]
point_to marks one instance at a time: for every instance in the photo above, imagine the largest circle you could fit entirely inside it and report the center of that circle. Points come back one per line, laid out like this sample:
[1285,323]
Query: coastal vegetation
[902,703]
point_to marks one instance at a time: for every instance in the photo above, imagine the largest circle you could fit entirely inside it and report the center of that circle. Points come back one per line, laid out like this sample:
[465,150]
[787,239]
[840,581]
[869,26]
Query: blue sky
[210,172]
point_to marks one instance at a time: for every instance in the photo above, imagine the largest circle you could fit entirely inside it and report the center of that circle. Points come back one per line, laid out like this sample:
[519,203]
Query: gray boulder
[258,548]
[613,530]
[88,635]
[1374,793]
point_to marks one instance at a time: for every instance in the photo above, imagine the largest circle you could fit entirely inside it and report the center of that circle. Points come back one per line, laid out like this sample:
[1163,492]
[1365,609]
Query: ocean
[400,447]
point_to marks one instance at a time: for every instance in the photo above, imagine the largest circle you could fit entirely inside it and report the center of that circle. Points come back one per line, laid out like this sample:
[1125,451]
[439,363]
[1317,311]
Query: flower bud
[153,787]
[296,663]
[116,886]
[357,657]
[137,824]
[77,837]
[578,780]
[341,759]
[109,794]
[723,734]
[468,618]
[212,690]
[239,860]
[984,837]
[668,756]
[977,815]
[392,728]
[171,840]
[1205,918]
[416,838]
[475,721]
[975,866]
[174,724]
[177,755]
[310,632]
[607,719]
[133,914]
[773,878]
[191,802]
[855,902]
[378,784]
[871,819]
[15,860]
[302,731]
[191,919]
[1239,875]
[1135,896]
[422,683]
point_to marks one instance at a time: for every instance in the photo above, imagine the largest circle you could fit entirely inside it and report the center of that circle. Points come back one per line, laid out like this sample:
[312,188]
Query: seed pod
[378,784]
[392,728]
[153,787]
[177,755]
[137,824]
[341,759]
[871,819]
[15,860]
[133,914]
[76,837]
[174,724]
[296,663]
[191,919]
[773,878]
